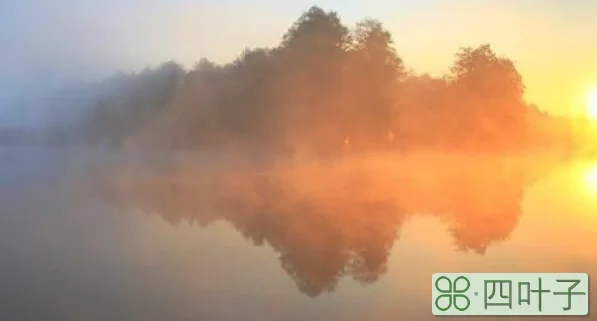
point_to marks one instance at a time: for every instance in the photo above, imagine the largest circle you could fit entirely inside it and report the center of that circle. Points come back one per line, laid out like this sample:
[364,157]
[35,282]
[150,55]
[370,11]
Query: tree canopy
[326,89]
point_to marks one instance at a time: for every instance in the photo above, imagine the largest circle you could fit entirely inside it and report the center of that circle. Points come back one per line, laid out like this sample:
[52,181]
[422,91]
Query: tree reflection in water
[337,220]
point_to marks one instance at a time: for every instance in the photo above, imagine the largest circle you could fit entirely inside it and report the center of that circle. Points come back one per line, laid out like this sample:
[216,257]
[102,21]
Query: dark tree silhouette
[325,89]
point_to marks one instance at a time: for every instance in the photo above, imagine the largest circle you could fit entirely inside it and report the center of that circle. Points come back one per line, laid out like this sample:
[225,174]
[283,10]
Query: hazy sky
[46,44]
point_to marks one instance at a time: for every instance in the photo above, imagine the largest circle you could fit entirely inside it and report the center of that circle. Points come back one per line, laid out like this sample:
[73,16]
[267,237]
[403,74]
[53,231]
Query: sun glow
[590,177]
[592,104]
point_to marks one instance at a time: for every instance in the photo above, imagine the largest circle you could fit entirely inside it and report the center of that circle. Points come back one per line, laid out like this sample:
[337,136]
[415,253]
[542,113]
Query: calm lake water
[86,235]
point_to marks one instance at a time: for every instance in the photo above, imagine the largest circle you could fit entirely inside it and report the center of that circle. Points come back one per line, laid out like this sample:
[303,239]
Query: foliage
[325,88]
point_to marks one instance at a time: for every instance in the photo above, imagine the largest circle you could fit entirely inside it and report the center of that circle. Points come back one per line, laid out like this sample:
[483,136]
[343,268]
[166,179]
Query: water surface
[89,235]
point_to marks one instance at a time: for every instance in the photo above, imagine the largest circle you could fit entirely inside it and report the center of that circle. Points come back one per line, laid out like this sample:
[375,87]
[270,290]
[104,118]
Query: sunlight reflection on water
[590,179]
[352,242]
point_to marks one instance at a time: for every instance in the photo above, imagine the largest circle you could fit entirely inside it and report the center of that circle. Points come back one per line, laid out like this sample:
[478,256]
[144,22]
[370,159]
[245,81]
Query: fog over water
[88,234]
[306,173]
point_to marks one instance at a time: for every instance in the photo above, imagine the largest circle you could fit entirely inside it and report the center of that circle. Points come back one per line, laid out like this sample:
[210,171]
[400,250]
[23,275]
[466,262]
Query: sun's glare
[592,104]
[590,176]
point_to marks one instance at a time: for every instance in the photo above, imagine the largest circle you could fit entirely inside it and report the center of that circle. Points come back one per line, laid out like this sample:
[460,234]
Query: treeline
[325,88]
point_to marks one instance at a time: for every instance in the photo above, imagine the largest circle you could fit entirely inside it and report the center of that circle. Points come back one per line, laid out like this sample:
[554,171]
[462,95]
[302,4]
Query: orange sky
[556,53]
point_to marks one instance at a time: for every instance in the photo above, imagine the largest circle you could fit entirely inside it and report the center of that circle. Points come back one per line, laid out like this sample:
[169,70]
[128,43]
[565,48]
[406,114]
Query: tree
[309,65]
[316,29]
[323,87]
[374,73]
[422,111]
[487,98]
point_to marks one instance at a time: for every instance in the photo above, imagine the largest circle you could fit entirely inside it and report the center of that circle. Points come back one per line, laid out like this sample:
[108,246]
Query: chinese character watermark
[510,294]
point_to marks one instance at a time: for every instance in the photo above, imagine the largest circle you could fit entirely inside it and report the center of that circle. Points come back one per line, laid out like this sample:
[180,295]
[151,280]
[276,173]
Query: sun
[592,104]
[591,178]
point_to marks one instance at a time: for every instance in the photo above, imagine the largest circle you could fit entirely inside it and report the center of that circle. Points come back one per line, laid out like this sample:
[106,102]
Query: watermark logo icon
[451,293]
[510,294]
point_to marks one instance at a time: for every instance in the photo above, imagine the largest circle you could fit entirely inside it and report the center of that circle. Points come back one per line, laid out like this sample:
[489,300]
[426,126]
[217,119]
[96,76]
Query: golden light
[588,192]
[591,179]
[592,104]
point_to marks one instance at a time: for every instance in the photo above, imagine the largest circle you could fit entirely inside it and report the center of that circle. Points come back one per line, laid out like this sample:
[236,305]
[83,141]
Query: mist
[55,54]
[194,160]
[62,61]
